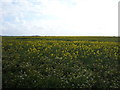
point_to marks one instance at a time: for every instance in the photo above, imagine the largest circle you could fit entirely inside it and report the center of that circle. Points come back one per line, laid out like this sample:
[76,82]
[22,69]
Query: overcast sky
[59,17]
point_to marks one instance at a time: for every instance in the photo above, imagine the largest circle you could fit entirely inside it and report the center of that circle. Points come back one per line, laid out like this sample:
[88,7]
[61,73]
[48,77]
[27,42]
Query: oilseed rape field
[60,62]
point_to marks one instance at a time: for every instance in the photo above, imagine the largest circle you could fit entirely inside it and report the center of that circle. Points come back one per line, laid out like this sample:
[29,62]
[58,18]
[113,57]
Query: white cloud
[71,17]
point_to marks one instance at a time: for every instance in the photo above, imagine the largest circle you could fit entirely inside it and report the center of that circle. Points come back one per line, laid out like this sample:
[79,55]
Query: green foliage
[60,62]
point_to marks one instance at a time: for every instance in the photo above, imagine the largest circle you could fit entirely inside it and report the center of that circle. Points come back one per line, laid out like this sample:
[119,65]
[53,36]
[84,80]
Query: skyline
[59,17]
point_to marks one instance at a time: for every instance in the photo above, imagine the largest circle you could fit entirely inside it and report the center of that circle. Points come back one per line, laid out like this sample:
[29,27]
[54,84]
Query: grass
[60,62]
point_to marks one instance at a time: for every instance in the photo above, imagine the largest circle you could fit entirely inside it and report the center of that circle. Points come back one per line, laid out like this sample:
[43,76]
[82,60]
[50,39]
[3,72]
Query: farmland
[60,62]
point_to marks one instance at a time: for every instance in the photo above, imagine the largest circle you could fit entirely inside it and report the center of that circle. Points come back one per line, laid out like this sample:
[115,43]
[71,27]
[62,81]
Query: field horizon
[60,62]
